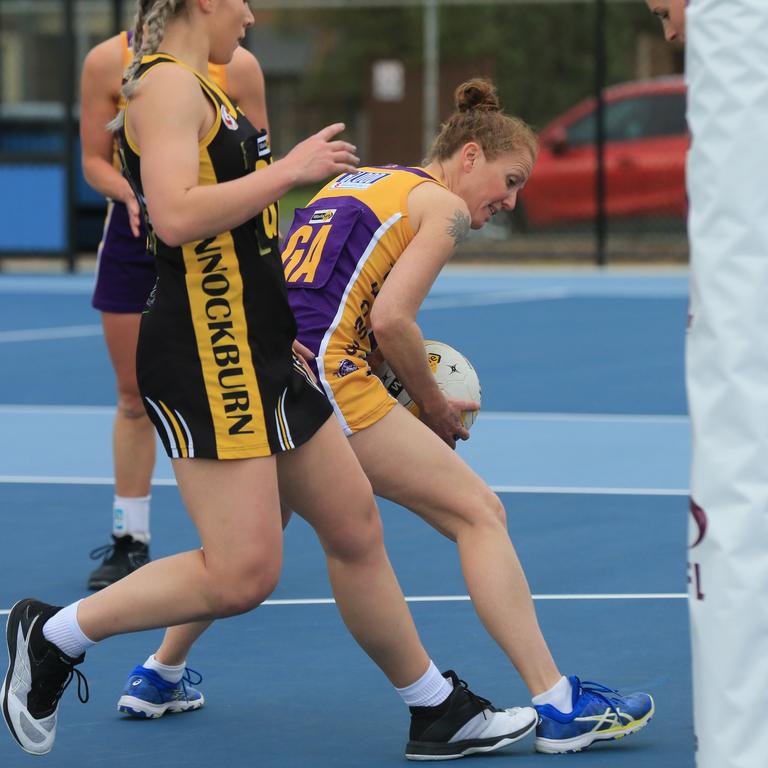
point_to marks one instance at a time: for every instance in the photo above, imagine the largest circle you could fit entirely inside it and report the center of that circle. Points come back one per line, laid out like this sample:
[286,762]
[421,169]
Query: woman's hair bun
[477,94]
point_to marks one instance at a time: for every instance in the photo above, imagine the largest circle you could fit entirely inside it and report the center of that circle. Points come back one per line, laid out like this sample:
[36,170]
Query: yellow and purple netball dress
[337,255]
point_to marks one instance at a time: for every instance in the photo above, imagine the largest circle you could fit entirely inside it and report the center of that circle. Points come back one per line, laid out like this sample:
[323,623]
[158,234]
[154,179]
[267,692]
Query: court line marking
[608,274]
[533,489]
[608,418]
[466,599]
[487,298]
[591,490]
[49,334]
[469,298]
[60,410]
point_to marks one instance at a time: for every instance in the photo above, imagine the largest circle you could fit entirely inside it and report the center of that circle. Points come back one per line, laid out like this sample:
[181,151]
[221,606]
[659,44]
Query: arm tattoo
[458,229]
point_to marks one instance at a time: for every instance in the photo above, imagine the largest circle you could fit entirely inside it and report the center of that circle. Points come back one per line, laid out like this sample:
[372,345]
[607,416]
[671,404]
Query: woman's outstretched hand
[321,156]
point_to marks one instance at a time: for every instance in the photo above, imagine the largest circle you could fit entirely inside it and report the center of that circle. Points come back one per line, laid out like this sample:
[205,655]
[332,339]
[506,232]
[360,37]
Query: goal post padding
[727,377]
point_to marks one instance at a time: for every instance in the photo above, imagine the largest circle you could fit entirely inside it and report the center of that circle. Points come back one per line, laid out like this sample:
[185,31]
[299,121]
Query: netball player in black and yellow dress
[125,274]
[232,405]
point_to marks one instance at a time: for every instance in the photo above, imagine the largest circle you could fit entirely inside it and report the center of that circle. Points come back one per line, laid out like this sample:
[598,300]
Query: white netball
[455,376]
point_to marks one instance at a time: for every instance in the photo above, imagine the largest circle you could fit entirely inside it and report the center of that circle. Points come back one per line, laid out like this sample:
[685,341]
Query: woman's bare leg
[235,507]
[336,500]
[178,641]
[133,436]
[407,463]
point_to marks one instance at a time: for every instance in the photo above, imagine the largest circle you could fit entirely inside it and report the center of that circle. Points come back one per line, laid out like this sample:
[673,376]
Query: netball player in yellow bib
[359,261]
[125,274]
[234,408]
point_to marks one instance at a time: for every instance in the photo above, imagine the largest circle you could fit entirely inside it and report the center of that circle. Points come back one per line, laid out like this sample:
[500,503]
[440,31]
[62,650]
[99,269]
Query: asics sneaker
[123,556]
[38,674]
[148,695]
[464,724]
[599,714]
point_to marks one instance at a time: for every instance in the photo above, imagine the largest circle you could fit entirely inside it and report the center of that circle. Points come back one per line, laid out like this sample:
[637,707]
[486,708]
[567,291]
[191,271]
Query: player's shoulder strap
[212,90]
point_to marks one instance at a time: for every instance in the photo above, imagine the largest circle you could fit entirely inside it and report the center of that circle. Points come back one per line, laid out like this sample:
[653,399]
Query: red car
[646,139]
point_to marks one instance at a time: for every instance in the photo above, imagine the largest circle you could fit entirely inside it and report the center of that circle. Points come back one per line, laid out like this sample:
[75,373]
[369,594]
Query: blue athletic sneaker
[599,714]
[148,695]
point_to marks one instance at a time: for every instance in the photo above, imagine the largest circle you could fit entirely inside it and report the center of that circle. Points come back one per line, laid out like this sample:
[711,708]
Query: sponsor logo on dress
[346,367]
[322,216]
[262,145]
[225,338]
[358,180]
[227,119]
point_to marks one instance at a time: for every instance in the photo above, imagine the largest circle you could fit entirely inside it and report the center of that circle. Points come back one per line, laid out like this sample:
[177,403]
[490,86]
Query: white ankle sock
[560,696]
[130,517]
[167,672]
[64,632]
[429,690]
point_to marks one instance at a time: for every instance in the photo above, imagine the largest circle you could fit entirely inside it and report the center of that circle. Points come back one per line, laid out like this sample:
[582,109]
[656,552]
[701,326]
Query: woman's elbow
[169,232]
[174,229]
[385,326]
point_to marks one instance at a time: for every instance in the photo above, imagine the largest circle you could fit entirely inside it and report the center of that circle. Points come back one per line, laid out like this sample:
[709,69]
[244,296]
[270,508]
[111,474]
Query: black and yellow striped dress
[214,363]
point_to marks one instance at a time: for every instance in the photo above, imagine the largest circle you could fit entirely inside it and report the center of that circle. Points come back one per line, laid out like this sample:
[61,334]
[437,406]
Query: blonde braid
[138,26]
[148,31]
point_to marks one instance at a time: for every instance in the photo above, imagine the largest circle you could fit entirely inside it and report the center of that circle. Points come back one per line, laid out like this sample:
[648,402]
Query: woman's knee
[129,402]
[356,537]
[486,511]
[490,511]
[494,512]
[242,589]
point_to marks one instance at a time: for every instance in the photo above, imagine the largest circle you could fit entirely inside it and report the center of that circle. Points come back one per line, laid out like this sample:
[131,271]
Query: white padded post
[727,377]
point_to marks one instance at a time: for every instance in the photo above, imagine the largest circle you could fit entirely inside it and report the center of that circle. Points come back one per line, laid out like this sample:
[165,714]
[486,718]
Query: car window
[642,117]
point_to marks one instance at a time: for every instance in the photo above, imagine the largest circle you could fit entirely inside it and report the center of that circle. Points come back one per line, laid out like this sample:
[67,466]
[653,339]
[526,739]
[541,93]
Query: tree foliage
[543,55]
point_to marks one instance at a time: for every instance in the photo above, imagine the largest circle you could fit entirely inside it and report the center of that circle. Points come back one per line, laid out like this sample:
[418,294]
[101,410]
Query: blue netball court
[583,433]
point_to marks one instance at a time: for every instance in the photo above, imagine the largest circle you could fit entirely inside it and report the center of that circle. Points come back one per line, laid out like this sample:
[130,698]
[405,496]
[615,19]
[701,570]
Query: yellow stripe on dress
[215,291]
[282,427]
[180,441]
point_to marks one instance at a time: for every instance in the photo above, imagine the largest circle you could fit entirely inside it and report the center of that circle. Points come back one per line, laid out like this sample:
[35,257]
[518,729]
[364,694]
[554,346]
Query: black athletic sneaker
[123,556]
[465,724]
[38,673]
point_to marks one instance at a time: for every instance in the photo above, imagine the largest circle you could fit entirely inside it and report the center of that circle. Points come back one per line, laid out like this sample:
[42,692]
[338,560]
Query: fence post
[600,220]
[68,101]
[117,17]
[431,74]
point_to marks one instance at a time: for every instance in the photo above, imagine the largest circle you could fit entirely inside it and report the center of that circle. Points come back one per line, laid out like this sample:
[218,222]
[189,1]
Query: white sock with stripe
[63,630]
[429,690]
[130,517]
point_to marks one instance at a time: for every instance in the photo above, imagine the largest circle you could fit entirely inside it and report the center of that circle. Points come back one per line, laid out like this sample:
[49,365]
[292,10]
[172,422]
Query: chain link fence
[609,182]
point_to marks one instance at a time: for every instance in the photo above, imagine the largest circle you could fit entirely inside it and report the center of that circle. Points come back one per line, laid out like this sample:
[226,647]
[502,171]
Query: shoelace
[83,692]
[599,692]
[188,678]
[82,684]
[99,552]
[106,551]
[484,703]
